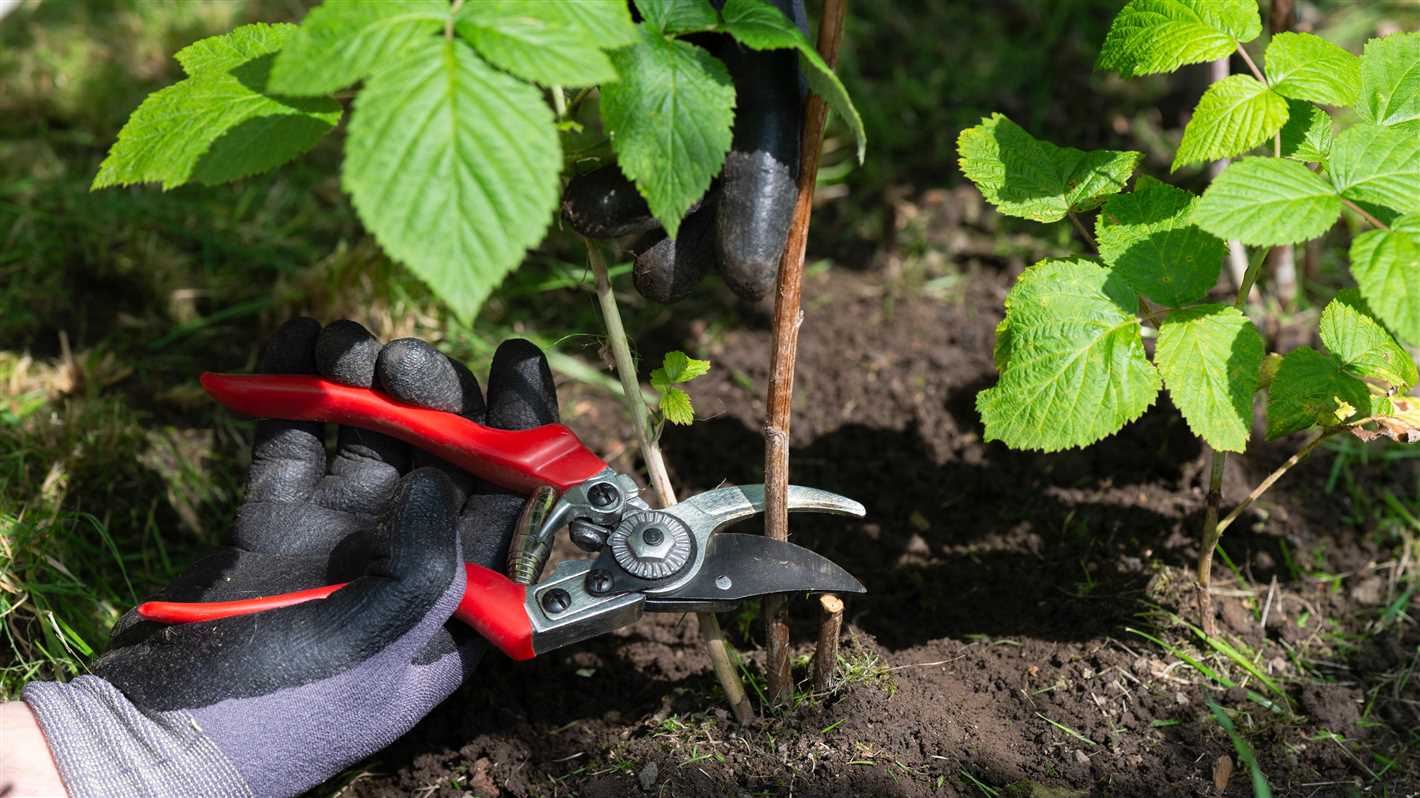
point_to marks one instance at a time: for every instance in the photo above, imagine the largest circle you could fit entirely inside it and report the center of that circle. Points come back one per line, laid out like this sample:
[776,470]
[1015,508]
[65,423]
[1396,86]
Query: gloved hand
[275,703]
[742,223]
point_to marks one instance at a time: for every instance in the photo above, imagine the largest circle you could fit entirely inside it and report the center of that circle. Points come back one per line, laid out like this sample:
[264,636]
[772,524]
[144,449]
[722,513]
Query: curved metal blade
[713,509]
[738,567]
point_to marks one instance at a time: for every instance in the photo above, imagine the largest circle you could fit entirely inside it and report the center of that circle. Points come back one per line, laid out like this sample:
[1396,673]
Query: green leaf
[678,16]
[541,41]
[1211,359]
[1075,369]
[453,166]
[679,367]
[669,118]
[1386,265]
[225,53]
[1149,239]
[760,26]
[1308,134]
[1307,67]
[1390,80]
[606,22]
[1365,348]
[1379,165]
[1236,114]
[675,406]
[342,41]
[1311,388]
[1153,36]
[1033,179]
[221,123]
[1266,202]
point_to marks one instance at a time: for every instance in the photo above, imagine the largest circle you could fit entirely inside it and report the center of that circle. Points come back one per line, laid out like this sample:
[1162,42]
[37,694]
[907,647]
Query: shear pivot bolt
[653,536]
[602,495]
[598,581]
[556,600]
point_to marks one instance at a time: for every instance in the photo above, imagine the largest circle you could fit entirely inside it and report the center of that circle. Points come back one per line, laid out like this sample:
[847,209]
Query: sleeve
[107,748]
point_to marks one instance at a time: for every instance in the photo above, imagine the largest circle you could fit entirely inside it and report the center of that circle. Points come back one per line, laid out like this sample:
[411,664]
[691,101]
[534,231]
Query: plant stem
[1365,214]
[449,23]
[1252,65]
[1272,478]
[1250,279]
[656,467]
[1212,531]
[1084,231]
[787,318]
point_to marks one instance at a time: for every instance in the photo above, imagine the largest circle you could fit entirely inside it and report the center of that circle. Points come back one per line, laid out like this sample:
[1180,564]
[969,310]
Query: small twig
[1274,476]
[449,23]
[1365,214]
[1267,605]
[787,318]
[656,466]
[1252,65]
[1084,231]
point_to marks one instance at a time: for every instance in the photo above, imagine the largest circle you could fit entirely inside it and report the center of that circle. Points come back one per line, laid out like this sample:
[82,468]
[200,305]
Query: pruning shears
[646,560]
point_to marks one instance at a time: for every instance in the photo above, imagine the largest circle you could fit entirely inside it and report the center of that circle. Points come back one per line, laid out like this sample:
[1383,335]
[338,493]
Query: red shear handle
[492,603]
[518,460]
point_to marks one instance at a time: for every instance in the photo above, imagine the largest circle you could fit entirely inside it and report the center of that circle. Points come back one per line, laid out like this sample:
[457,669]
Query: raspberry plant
[460,129]
[1071,353]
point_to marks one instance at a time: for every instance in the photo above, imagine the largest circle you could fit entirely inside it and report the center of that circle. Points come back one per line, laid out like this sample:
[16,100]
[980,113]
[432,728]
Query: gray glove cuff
[107,748]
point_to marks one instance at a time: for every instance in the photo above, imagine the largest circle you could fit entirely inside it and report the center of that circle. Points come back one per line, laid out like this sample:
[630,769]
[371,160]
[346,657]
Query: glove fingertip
[521,392]
[291,349]
[346,352]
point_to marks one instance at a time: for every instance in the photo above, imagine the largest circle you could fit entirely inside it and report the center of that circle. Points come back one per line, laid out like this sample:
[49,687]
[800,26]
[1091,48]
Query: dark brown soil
[1003,588]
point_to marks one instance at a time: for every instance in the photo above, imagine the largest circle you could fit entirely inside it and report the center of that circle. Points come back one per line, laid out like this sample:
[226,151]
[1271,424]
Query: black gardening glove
[274,703]
[742,223]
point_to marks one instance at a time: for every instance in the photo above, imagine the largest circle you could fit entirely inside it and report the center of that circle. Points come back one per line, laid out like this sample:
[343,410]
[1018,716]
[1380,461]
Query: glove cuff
[106,747]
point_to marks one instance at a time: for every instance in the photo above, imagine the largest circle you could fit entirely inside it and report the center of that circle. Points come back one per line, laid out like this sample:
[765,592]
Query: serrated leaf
[1149,239]
[224,53]
[1309,133]
[760,26]
[541,41]
[679,367]
[1268,202]
[1211,359]
[1310,388]
[1386,265]
[342,41]
[678,16]
[1307,67]
[1033,179]
[1075,369]
[606,22]
[676,407]
[669,118]
[221,123]
[1365,348]
[1153,36]
[1390,80]
[1236,114]
[453,166]
[1378,165]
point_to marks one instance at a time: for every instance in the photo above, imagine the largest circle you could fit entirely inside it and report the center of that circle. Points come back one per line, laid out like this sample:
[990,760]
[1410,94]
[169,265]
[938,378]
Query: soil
[1004,588]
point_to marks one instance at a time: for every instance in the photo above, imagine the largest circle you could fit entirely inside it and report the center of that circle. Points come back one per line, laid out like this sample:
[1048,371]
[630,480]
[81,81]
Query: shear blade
[739,567]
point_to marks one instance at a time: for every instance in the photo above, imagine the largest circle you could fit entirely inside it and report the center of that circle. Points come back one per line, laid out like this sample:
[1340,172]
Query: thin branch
[787,318]
[1250,278]
[1084,231]
[1272,478]
[1365,214]
[656,466]
[1252,65]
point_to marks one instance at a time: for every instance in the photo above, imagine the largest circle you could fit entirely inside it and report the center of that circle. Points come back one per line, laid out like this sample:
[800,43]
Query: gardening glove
[275,703]
[742,224]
